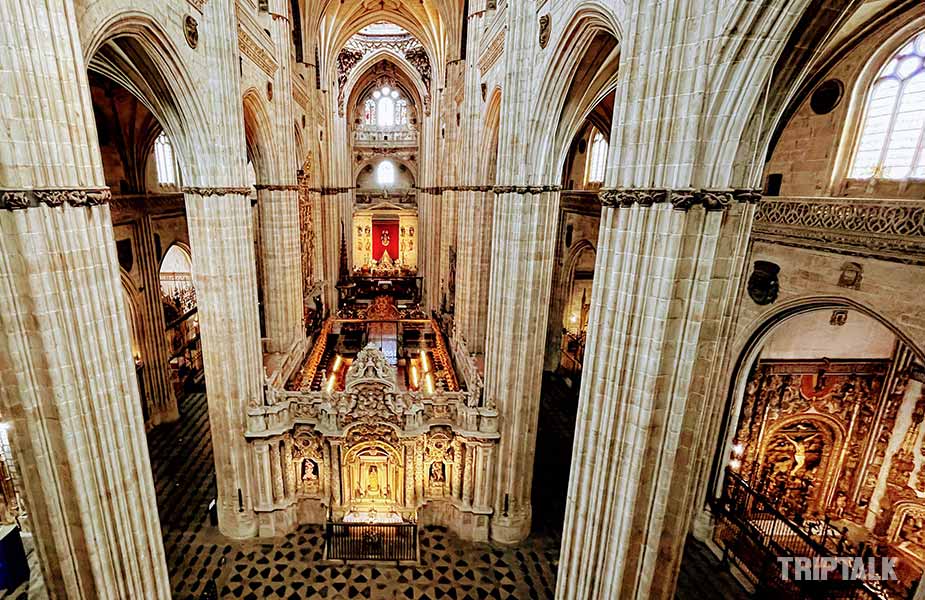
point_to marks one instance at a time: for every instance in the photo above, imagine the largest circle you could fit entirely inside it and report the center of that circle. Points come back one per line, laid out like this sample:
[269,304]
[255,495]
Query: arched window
[369,113]
[164,161]
[385,174]
[386,108]
[597,159]
[891,142]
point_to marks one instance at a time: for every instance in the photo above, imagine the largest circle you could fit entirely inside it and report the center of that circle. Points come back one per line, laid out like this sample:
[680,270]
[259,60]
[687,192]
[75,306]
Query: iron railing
[753,534]
[386,542]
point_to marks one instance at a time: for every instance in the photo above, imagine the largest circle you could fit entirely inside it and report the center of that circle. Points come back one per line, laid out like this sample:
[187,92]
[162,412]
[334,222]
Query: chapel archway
[824,418]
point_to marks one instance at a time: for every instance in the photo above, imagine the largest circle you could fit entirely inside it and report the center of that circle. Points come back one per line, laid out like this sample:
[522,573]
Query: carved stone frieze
[680,199]
[525,189]
[277,187]
[252,50]
[21,199]
[217,191]
[884,229]
[492,52]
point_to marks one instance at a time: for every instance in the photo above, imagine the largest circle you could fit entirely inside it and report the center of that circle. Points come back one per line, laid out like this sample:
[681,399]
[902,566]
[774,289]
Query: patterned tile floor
[198,556]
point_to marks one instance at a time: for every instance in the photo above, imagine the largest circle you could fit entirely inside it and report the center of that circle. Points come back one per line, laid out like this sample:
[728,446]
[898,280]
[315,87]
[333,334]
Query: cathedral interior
[573,299]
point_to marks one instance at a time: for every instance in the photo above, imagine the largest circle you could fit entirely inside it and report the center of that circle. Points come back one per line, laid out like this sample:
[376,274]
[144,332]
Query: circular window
[827,96]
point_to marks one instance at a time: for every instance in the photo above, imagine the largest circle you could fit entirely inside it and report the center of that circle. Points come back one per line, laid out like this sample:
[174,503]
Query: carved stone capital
[14,200]
[217,191]
[715,199]
[21,199]
[277,187]
[684,199]
[627,197]
[525,189]
[748,196]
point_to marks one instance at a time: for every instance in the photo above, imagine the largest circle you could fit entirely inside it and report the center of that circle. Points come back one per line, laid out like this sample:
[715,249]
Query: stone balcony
[892,230]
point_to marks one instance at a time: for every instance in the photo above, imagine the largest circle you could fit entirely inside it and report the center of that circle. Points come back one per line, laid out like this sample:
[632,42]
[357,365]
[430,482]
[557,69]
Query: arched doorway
[182,320]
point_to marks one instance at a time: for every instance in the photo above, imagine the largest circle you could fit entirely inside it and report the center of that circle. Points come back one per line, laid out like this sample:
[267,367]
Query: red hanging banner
[385,238]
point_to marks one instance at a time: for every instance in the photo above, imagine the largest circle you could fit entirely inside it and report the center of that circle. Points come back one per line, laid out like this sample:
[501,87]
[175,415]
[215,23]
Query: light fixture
[337,363]
[330,387]
[738,449]
[415,378]
[734,464]
[429,384]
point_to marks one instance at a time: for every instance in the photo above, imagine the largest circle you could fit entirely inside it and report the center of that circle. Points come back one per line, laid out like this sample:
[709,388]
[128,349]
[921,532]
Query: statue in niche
[372,481]
[309,471]
[437,473]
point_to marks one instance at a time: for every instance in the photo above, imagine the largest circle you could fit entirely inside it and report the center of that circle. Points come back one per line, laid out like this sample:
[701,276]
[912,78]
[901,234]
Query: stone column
[69,387]
[280,255]
[162,402]
[447,243]
[225,276]
[473,260]
[429,211]
[658,270]
[278,202]
[521,268]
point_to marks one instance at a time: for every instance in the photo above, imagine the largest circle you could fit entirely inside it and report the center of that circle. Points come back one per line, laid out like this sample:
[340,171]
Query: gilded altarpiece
[843,440]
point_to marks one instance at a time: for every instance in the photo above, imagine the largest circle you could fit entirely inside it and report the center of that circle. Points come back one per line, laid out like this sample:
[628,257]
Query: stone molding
[277,187]
[217,191]
[525,189]
[23,199]
[492,52]
[680,199]
[892,230]
[331,191]
[252,50]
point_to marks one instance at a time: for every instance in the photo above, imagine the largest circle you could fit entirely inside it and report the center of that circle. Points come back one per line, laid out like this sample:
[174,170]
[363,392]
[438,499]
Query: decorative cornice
[217,191]
[331,191]
[492,52]
[680,199]
[252,50]
[22,199]
[300,97]
[525,189]
[277,187]
[892,230]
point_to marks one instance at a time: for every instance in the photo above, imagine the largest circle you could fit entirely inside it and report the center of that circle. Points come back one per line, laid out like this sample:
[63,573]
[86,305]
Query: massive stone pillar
[430,208]
[448,250]
[670,253]
[474,216]
[280,254]
[220,222]
[659,266]
[521,267]
[278,202]
[159,392]
[225,276]
[69,388]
